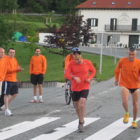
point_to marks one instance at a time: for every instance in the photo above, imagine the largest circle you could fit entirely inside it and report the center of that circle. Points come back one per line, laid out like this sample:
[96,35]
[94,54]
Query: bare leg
[6,101]
[135,97]
[40,89]
[35,90]
[125,95]
[80,108]
[12,97]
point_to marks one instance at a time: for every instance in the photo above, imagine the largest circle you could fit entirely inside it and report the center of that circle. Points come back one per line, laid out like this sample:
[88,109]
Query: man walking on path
[38,65]
[3,69]
[128,70]
[10,80]
[78,72]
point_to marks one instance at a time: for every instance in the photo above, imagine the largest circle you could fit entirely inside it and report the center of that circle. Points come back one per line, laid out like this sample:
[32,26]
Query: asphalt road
[54,120]
[108,51]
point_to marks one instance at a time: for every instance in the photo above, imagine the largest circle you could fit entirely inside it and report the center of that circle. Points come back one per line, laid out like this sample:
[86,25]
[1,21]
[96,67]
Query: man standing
[38,65]
[128,69]
[78,73]
[10,81]
[3,69]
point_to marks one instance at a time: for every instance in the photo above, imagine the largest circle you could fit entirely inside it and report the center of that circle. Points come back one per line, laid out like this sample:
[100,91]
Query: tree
[8,5]
[6,32]
[70,34]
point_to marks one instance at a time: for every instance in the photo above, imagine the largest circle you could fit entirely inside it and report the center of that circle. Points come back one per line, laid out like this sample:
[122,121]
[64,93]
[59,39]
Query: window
[129,3]
[113,3]
[94,3]
[93,22]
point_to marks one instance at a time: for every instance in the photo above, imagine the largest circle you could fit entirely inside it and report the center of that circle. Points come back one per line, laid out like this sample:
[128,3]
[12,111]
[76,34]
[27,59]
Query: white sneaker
[8,112]
[40,100]
[2,107]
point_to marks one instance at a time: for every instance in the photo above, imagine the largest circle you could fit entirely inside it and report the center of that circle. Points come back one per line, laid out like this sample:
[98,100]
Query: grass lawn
[55,70]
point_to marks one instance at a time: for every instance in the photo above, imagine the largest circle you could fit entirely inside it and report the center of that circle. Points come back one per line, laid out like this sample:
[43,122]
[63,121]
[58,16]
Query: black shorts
[132,90]
[76,95]
[10,88]
[37,79]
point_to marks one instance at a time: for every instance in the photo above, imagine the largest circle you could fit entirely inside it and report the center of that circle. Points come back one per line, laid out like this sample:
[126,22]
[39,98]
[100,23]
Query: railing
[122,28]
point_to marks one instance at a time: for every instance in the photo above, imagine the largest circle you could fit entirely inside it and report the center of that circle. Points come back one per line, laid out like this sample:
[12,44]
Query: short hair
[37,48]
[11,49]
[132,49]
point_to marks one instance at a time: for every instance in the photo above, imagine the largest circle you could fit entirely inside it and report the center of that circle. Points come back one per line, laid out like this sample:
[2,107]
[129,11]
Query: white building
[118,20]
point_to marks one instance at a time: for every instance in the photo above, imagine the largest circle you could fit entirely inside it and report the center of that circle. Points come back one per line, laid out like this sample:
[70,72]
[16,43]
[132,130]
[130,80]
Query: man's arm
[44,65]
[117,73]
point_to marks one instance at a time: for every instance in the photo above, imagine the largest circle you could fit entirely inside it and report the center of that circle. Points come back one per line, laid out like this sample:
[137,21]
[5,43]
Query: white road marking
[64,130]
[112,130]
[24,126]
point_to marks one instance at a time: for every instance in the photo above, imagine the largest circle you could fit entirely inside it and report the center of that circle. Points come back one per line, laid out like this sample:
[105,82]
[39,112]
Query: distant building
[118,20]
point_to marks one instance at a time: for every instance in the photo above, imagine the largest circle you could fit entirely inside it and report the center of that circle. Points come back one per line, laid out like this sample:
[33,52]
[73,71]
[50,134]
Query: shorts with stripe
[0,87]
[10,88]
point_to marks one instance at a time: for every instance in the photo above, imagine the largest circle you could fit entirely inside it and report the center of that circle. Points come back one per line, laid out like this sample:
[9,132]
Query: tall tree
[6,32]
[8,5]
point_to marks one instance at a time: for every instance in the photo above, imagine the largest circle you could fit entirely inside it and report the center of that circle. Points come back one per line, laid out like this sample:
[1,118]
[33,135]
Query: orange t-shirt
[68,59]
[81,71]
[38,65]
[3,68]
[129,72]
[11,74]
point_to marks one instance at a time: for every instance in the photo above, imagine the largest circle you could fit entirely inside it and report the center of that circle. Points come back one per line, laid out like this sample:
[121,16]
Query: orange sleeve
[44,65]
[67,60]
[117,71]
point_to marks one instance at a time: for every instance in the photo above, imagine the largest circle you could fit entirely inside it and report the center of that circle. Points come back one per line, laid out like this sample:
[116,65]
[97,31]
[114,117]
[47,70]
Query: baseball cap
[76,50]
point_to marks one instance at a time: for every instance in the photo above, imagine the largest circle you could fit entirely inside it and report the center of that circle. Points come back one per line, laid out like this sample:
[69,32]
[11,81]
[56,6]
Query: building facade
[117,20]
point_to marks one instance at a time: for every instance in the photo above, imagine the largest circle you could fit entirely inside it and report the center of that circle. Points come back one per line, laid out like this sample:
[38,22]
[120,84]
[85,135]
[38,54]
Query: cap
[76,49]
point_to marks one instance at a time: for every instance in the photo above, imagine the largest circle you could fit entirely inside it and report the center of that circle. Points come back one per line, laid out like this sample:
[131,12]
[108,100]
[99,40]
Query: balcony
[122,28]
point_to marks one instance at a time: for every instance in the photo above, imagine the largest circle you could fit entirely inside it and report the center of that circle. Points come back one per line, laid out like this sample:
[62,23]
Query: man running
[128,69]
[38,65]
[78,73]
[10,81]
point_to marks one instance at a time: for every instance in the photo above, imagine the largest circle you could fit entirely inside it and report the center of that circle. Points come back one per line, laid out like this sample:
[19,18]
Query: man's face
[37,52]
[2,53]
[11,53]
[131,55]
[78,58]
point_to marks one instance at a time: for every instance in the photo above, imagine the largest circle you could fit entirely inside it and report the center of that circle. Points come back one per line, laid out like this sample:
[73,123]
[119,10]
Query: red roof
[107,4]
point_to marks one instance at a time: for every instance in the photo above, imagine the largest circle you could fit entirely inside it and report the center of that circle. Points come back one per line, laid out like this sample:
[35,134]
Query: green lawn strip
[55,71]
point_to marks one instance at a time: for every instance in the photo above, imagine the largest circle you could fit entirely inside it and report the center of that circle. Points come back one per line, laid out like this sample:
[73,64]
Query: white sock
[40,97]
[35,97]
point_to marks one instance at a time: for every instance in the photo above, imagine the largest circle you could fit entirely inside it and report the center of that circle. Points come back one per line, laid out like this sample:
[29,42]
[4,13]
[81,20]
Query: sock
[35,97]
[127,113]
[40,97]
[134,120]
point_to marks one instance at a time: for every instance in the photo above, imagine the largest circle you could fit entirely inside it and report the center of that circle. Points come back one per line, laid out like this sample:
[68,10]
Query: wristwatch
[73,77]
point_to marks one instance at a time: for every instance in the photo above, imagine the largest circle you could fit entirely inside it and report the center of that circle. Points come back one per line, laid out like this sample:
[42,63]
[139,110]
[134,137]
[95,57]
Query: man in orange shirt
[10,80]
[128,70]
[38,65]
[78,73]
[3,69]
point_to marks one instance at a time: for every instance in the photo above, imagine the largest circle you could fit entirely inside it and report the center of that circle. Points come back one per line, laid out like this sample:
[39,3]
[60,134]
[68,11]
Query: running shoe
[134,125]
[40,101]
[2,108]
[126,118]
[33,101]
[81,126]
[8,112]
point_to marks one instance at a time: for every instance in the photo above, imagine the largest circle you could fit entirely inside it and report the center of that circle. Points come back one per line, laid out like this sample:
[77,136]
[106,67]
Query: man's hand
[88,80]
[20,68]
[116,83]
[77,79]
